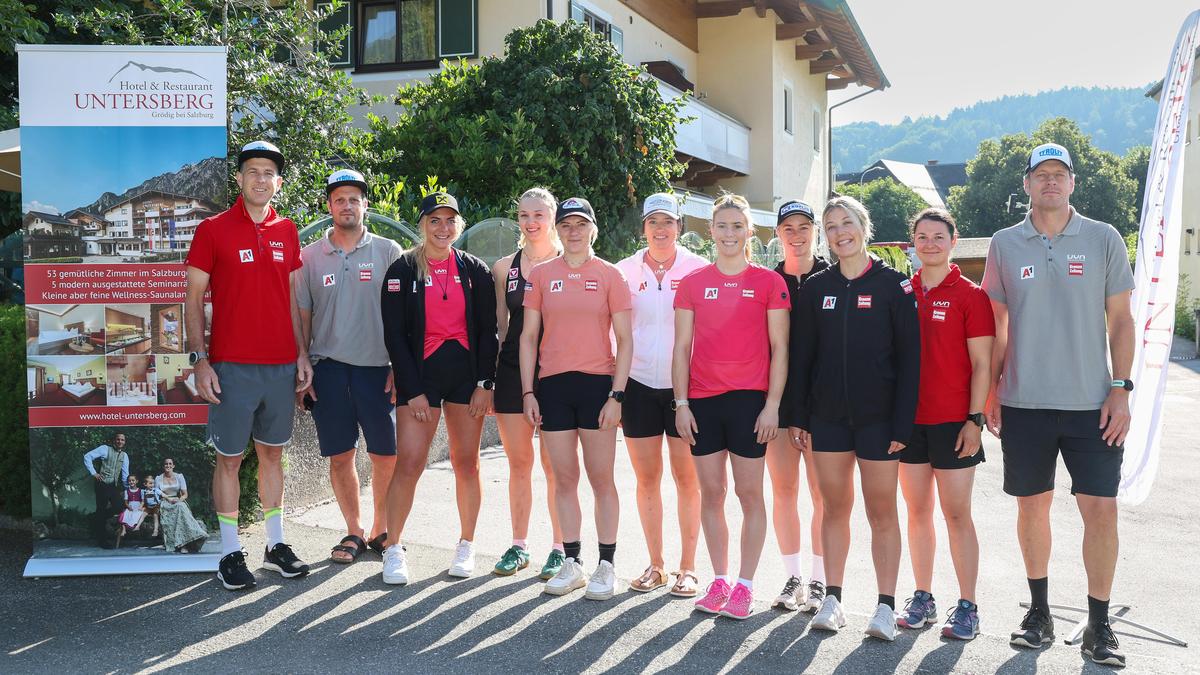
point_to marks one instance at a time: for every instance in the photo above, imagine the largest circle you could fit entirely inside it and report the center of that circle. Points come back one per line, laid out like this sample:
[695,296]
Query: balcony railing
[712,136]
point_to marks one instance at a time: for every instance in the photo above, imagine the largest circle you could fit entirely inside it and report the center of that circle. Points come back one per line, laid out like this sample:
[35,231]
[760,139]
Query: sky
[75,165]
[945,54]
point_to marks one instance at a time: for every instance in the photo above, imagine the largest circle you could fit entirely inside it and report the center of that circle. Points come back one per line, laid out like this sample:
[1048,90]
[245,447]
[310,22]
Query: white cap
[345,177]
[1047,151]
[661,202]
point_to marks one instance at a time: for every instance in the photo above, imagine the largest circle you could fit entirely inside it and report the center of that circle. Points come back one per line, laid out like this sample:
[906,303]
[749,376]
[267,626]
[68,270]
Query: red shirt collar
[951,279]
[239,207]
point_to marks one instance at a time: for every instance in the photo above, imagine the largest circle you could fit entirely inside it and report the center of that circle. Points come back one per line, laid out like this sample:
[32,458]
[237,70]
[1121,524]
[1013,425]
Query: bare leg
[954,491]
[344,479]
[835,474]
[1100,543]
[916,482]
[517,438]
[464,431]
[599,455]
[646,456]
[412,453]
[687,491]
[748,485]
[783,463]
[879,498]
[710,469]
[1033,532]
[562,449]
[382,468]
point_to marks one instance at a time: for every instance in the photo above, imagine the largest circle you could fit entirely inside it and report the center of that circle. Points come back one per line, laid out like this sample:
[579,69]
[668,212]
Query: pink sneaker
[715,598]
[740,603]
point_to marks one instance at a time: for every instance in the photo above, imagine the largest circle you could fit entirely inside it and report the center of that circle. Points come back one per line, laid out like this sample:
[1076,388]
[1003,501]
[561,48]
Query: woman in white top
[653,274]
[180,529]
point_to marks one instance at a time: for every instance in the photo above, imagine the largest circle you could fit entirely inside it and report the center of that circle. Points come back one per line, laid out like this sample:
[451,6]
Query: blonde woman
[854,379]
[439,320]
[728,370]
[571,305]
[538,244]
[647,418]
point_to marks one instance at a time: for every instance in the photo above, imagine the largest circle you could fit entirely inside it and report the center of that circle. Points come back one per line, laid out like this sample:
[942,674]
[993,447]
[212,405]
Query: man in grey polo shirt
[1060,287]
[338,291]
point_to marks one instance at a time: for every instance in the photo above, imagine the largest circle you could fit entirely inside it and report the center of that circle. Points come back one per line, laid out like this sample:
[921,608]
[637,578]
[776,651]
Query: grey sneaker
[919,610]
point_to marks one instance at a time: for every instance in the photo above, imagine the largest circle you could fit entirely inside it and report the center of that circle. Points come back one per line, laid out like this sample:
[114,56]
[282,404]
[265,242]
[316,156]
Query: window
[401,34]
[817,130]
[787,108]
[601,25]
[398,32]
[334,22]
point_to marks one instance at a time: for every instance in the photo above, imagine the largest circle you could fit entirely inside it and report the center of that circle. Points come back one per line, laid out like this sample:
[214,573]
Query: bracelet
[528,393]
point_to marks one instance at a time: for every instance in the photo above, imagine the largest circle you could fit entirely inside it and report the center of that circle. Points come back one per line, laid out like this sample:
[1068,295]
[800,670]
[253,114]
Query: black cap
[575,206]
[792,207]
[438,200]
[260,149]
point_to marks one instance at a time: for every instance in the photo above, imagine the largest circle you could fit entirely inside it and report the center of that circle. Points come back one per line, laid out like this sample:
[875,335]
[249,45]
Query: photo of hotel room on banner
[130,491]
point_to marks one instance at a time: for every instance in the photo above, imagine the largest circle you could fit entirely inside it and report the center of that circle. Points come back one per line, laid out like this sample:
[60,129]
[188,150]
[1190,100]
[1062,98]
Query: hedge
[14,418]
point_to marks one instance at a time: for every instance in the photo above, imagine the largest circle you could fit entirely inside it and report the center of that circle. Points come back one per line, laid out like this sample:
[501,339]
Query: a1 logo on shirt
[864,302]
[328,280]
[710,294]
[556,286]
[1027,272]
[246,255]
[512,284]
[830,302]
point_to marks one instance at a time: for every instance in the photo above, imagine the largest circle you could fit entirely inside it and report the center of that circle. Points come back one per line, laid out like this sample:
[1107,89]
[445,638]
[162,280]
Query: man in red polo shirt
[256,356]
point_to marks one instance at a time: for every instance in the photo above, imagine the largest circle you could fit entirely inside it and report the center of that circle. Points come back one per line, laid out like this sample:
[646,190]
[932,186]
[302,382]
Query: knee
[685,481]
[922,510]
[1098,512]
[465,466]
[1037,506]
[342,462]
[520,465]
[228,466]
[713,495]
[649,477]
[836,507]
[408,467]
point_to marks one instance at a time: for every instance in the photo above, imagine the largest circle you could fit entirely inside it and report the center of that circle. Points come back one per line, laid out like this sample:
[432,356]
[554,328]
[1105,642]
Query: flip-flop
[682,588]
[652,578]
[378,543]
[352,551]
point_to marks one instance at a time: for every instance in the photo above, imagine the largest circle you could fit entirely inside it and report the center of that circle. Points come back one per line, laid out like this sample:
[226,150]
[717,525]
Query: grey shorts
[257,401]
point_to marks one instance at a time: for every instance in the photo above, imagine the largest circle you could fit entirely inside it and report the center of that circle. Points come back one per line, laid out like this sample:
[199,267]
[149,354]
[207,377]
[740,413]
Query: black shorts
[868,441]
[446,376]
[933,444]
[572,400]
[1032,439]
[507,395]
[646,412]
[349,397]
[726,422]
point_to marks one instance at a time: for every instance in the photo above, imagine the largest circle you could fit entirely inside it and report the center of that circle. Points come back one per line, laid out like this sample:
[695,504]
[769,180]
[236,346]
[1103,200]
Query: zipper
[846,353]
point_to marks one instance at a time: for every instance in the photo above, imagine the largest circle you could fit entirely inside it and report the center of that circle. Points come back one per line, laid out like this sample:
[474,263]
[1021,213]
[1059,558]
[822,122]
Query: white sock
[791,563]
[748,583]
[723,577]
[818,568]
[229,534]
[274,526]
[521,543]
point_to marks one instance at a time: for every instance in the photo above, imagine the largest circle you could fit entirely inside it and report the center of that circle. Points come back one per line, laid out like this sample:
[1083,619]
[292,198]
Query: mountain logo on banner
[155,69]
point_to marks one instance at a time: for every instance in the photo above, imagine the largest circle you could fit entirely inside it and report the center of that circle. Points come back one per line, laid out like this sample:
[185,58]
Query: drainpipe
[829,133]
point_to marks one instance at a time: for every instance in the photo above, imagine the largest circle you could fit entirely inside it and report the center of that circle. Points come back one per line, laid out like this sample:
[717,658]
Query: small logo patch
[512,285]
[528,286]
[907,286]
[277,255]
[1027,272]
[674,284]
[710,294]
[276,244]
[556,286]
[246,255]
[513,272]
[747,292]
[1075,269]
[574,275]
[328,280]
[939,315]
[364,275]
[642,287]
[864,302]
[829,302]
[393,285]
[591,285]
[428,281]
[944,304]
[442,200]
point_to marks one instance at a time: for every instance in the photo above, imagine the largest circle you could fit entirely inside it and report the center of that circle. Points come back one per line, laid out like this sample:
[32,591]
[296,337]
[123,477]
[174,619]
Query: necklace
[533,261]
[662,264]
[442,284]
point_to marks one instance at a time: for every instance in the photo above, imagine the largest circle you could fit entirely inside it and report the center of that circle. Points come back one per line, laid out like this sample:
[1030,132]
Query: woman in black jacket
[439,323]
[855,373]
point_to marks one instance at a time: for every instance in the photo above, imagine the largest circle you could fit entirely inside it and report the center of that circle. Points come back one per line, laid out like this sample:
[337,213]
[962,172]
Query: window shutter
[335,22]
[458,28]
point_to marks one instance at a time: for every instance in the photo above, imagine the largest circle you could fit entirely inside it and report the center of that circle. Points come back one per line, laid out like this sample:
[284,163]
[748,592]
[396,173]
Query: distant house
[932,180]
[49,235]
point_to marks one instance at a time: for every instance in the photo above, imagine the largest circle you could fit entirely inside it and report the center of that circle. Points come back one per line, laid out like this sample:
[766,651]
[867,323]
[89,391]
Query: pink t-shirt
[731,350]
[445,306]
[576,307]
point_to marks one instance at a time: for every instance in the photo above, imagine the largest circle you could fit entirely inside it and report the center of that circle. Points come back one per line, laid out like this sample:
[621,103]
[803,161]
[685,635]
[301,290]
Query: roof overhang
[10,160]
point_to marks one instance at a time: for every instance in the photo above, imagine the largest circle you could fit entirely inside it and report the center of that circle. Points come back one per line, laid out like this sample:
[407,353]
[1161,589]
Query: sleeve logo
[393,286]
[556,286]
[246,255]
[907,286]
[830,302]
[328,280]
[710,294]
[1027,272]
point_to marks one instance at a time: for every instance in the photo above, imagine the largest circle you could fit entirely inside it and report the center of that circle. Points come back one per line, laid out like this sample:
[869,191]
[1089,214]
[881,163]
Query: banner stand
[1118,617]
[120,564]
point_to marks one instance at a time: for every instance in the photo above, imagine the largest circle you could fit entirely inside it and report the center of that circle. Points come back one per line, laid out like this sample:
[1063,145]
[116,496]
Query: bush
[70,260]
[14,418]
[1185,310]
[894,257]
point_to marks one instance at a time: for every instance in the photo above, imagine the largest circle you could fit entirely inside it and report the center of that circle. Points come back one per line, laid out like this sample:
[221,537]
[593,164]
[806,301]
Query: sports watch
[618,396]
[196,357]
[977,418]
[486,384]
[677,403]
[1126,384]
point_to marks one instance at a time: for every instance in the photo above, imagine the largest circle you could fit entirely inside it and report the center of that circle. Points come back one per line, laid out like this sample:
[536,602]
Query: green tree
[1103,190]
[14,417]
[890,203]
[279,86]
[1135,164]
[559,109]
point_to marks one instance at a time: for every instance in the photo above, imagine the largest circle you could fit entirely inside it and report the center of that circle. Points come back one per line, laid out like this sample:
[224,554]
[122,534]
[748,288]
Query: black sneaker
[233,573]
[1037,629]
[281,559]
[1100,643]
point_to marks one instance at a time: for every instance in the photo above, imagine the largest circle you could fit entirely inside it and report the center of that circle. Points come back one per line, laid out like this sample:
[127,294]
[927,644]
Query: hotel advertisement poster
[123,153]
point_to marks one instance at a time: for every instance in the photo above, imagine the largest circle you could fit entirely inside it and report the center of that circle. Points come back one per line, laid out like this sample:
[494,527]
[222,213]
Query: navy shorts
[1032,440]
[933,444]
[572,400]
[646,412]
[349,397]
[867,441]
[726,422]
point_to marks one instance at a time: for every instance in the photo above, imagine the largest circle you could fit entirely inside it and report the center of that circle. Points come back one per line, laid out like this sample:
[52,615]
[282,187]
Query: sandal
[652,578]
[684,588]
[352,551]
[378,543]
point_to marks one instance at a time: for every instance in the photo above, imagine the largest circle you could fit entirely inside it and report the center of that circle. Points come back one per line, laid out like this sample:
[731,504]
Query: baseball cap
[661,202]
[438,200]
[344,177]
[260,149]
[792,207]
[1047,151]
[575,206]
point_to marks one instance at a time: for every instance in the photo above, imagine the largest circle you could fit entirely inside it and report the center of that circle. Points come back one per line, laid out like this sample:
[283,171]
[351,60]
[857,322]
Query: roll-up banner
[123,153]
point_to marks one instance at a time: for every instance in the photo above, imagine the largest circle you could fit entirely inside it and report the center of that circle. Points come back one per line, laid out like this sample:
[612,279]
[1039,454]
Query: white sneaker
[464,560]
[569,578]
[395,567]
[830,616]
[603,580]
[816,595]
[883,624]
[789,598]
